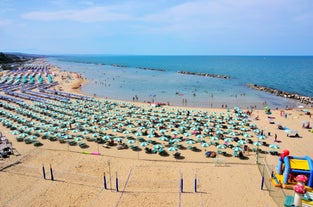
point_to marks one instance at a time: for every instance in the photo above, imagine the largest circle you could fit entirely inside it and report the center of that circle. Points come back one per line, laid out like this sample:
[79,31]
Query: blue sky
[169,27]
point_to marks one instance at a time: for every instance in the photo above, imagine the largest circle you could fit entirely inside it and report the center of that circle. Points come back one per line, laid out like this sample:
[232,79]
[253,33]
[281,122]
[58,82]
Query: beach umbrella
[78,139]
[106,137]
[219,132]
[118,139]
[104,128]
[152,129]
[176,140]
[131,126]
[242,142]
[256,131]
[85,132]
[131,141]
[190,141]
[244,129]
[144,144]
[163,138]
[95,135]
[261,137]
[214,138]
[150,136]
[257,143]
[115,130]
[175,132]
[247,135]
[237,149]
[228,139]
[126,132]
[15,132]
[138,133]
[172,149]
[221,146]
[199,136]
[233,133]
[163,131]
[204,144]
[274,146]
[157,146]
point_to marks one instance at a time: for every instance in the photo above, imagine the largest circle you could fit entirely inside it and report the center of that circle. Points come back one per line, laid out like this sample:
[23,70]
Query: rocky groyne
[204,74]
[303,99]
[142,68]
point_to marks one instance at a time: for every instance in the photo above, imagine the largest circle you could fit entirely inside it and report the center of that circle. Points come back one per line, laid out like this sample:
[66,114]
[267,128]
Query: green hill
[8,58]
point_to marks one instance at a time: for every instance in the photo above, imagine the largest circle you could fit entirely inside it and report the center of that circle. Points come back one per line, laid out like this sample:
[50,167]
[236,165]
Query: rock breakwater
[204,74]
[303,99]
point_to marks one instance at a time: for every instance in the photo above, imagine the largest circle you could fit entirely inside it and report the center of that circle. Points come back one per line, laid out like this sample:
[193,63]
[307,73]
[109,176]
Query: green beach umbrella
[144,144]
[204,144]
[172,149]
[221,146]
[190,142]
[237,149]
[257,143]
[118,139]
[131,141]
[242,142]
[214,138]
[274,146]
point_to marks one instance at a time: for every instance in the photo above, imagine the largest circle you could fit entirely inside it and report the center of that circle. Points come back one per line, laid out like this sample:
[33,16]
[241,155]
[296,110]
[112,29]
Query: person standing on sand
[275,139]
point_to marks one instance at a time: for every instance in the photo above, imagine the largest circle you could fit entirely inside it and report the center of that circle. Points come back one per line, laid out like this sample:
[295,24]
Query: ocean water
[123,78]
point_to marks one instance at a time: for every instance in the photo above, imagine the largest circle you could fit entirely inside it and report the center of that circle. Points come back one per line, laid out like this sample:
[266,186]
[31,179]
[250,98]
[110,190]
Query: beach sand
[143,179]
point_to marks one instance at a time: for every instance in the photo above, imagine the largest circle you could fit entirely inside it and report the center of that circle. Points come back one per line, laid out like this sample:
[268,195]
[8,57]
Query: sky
[158,27]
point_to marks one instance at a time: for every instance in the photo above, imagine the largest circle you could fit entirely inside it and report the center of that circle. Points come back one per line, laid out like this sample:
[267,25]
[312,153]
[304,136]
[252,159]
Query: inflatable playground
[289,167]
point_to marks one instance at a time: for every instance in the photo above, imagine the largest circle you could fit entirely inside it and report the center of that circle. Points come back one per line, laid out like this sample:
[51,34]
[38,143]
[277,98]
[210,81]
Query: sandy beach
[146,179]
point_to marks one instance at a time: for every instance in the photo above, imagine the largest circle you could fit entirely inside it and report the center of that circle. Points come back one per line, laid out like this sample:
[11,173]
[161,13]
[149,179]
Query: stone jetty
[142,68]
[303,99]
[204,74]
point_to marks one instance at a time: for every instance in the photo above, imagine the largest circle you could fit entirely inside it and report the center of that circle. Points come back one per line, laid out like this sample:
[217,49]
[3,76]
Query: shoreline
[203,102]
[144,177]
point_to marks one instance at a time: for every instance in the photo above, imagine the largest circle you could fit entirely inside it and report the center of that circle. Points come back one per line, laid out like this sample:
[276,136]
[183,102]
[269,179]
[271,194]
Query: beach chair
[288,201]
[163,152]
[83,145]
[37,144]
[177,155]
[148,150]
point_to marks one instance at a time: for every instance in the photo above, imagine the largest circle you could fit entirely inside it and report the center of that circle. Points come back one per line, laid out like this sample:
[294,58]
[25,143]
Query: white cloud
[92,14]
[4,22]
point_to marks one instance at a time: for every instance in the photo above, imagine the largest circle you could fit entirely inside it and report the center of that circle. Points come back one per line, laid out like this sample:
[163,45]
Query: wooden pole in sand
[116,182]
[51,173]
[110,174]
[137,150]
[195,184]
[43,171]
[181,183]
[104,181]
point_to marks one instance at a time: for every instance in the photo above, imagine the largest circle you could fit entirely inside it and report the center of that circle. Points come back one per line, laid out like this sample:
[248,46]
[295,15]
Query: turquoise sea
[123,77]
